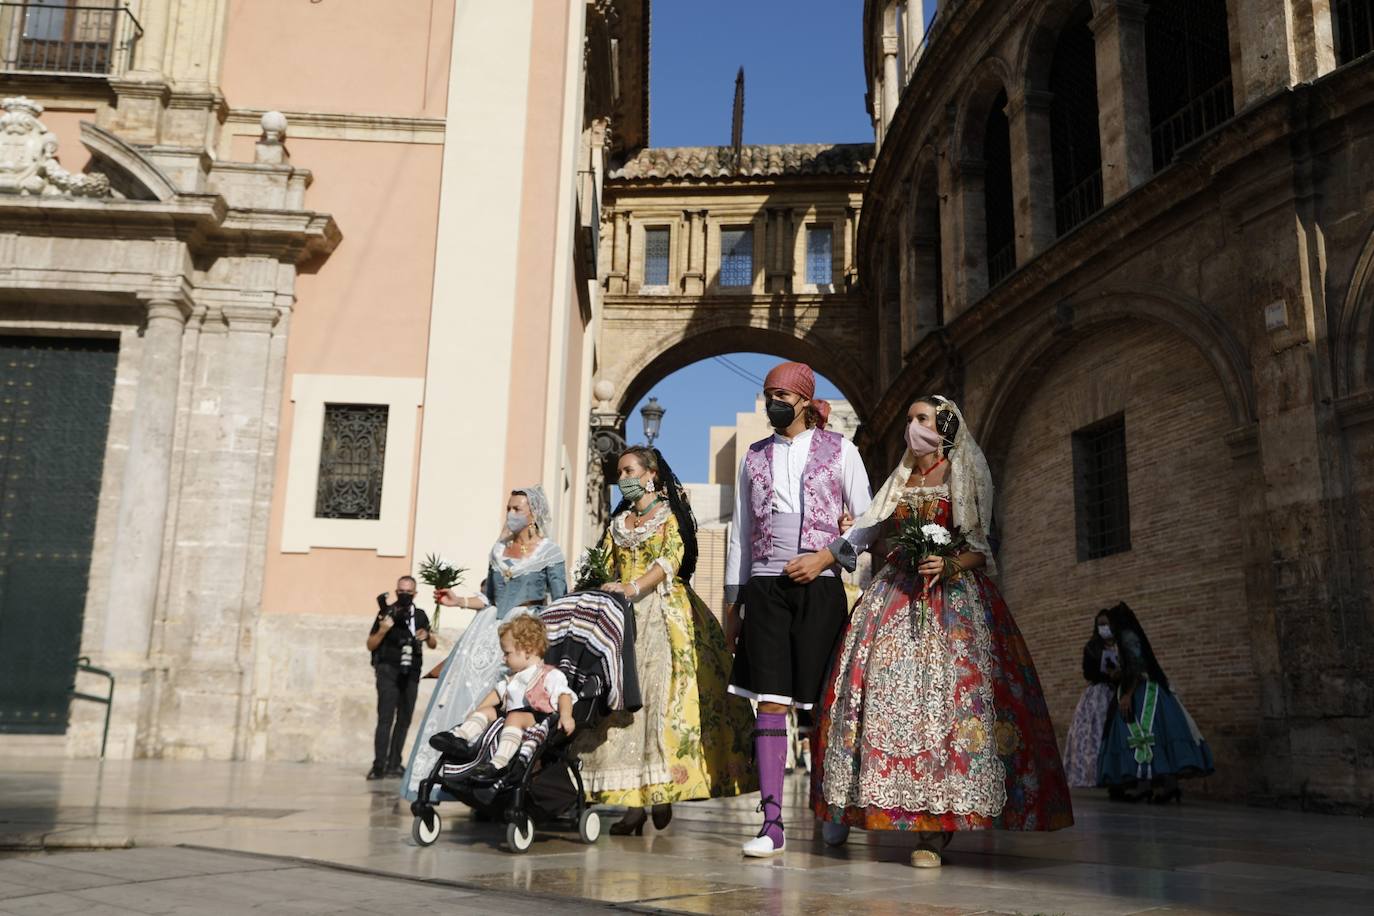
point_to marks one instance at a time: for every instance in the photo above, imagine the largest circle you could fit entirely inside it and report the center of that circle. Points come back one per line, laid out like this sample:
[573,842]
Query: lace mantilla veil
[970,488]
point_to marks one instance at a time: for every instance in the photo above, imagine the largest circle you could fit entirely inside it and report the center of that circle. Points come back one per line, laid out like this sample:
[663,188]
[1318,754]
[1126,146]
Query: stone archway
[643,367]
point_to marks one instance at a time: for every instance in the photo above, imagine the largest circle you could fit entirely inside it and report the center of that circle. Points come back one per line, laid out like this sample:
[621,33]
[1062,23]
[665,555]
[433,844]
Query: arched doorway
[713,410]
[1115,468]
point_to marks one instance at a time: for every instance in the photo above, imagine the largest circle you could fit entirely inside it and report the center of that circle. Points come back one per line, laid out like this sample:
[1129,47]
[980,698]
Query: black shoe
[395,770]
[375,773]
[486,774]
[1169,795]
[632,824]
[663,816]
[450,745]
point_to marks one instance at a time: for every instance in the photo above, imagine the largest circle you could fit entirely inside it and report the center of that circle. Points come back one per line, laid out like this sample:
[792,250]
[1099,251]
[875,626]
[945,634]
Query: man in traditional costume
[787,602]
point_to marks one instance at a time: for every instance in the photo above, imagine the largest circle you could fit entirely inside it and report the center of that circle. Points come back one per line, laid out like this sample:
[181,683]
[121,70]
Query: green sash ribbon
[1141,737]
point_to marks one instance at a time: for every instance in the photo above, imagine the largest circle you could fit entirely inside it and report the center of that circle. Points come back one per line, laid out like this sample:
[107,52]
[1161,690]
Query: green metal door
[54,416]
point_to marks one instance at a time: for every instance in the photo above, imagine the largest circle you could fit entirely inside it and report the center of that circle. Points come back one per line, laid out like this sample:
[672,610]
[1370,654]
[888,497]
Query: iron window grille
[1188,62]
[1101,492]
[68,37]
[1075,149]
[737,257]
[1354,21]
[820,257]
[997,194]
[656,256]
[352,457]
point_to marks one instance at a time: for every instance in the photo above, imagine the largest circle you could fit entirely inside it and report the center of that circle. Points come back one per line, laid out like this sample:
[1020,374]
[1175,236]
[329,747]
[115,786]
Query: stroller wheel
[589,828]
[520,834]
[425,829]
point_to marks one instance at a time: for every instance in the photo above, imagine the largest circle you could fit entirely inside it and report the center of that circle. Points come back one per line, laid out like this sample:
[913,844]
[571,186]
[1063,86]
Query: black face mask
[403,599]
[780,413]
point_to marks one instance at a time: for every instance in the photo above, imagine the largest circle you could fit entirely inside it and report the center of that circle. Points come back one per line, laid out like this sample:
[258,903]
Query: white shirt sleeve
[737,557]
[857,497]
[556,682]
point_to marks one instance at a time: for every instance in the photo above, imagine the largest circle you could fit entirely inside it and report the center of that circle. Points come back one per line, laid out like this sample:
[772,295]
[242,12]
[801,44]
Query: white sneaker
[761,847]
[834,834]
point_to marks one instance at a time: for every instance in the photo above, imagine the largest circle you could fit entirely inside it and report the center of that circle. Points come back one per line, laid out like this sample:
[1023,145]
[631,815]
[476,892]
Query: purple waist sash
[786,530]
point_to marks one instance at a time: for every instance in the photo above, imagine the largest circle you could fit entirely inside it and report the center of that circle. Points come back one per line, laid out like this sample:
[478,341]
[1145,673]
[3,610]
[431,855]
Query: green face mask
[632,488]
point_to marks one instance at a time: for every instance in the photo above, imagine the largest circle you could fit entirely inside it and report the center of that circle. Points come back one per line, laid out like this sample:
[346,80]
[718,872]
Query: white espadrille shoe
[761,847]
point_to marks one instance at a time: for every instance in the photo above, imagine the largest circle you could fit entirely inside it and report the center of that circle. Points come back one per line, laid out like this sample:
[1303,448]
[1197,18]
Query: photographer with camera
[397,641]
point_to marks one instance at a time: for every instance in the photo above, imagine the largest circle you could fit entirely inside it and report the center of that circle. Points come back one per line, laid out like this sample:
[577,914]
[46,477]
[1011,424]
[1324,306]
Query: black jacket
[392,649]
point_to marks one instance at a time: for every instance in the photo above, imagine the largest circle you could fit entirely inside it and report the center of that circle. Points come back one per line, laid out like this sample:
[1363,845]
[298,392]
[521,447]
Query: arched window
[1354,21]
[924,292]
[1188,64]
[997,196]
[1075,149]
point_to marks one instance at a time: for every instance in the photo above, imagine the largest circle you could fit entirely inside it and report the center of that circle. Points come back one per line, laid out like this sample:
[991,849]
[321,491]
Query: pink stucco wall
[365,309]
[357,56]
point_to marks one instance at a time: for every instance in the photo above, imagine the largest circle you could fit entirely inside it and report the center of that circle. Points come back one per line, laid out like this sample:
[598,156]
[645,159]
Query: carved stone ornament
[28,157]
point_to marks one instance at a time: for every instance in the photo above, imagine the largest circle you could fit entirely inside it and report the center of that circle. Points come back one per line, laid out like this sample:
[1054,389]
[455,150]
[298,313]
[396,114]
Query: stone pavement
[252,837]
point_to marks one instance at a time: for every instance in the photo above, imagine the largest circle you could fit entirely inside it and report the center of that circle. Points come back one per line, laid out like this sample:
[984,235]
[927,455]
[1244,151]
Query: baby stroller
[591,640]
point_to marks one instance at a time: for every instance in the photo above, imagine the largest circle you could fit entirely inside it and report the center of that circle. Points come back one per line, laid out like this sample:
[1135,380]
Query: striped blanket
[592,635]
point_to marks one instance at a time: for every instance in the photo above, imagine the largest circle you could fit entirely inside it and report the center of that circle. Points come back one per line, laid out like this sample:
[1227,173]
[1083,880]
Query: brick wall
[1183,573]
[709,582]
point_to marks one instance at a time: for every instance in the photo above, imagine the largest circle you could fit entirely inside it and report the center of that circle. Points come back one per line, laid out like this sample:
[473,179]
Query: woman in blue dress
[1151,742]
[525,571]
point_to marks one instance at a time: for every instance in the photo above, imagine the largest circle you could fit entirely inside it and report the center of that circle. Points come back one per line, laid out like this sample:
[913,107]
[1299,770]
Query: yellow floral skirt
[691,739]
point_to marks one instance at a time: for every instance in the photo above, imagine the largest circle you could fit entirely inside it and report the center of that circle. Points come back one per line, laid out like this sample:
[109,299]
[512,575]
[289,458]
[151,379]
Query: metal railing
[1078,203]
[1001,263]
[80,39]
[1209,109]
[1354,22]
[83,664]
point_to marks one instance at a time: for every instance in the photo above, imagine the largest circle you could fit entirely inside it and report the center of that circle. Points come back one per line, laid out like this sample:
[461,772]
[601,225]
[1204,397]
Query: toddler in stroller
[520,768]
[528,695]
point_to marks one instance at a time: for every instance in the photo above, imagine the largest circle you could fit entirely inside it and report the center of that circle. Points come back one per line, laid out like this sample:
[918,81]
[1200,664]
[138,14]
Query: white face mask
[1104,631]
[517,522]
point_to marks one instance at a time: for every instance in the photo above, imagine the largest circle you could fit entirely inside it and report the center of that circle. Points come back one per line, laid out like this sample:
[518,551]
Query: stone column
[694,275]
[1123,97]
[142,516]
[1303,584]
[892,84]
[1032,173]
[968,234]
[150,53]
[617,281]
[1280,43]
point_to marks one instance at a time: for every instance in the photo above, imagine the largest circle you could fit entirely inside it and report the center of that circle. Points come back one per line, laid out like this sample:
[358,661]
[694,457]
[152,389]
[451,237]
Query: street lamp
[652,413]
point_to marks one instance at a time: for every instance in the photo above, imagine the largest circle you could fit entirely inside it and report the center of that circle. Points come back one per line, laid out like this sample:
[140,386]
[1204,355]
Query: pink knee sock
[770,754]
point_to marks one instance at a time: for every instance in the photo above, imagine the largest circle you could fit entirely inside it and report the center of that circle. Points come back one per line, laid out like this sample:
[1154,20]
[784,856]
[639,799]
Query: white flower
[936,534]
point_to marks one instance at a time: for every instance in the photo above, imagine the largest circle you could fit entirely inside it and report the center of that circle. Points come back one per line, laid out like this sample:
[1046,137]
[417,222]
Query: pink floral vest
[822,493]
[537,697]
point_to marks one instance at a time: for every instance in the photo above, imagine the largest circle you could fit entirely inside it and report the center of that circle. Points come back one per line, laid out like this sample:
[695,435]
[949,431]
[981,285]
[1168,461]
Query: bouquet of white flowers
[915,540]
[438,573]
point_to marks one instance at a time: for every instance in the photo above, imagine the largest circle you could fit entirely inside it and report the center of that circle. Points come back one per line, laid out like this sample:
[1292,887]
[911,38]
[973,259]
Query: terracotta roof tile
[755,161]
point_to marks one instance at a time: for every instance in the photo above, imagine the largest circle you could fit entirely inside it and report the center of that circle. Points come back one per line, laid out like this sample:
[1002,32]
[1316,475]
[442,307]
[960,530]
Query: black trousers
[395,705]
[789,639]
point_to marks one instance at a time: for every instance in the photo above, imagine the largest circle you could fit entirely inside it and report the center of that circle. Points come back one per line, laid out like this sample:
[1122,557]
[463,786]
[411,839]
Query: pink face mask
[922,439]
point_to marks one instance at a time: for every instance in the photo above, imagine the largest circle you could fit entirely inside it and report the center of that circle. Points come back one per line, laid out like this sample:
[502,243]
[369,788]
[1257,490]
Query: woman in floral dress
[933,719]
[691,740]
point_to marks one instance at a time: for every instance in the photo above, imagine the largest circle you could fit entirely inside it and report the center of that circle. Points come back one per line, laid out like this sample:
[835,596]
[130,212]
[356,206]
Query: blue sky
[803,72]
[703,395]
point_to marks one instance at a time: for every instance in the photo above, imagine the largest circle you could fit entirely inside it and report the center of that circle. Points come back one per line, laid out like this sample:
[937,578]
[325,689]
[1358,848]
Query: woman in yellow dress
[691,739]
